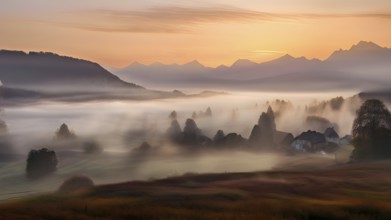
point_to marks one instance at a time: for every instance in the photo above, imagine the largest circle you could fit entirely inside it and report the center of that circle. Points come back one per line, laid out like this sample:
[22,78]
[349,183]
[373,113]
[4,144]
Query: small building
[331,136]
[309,141]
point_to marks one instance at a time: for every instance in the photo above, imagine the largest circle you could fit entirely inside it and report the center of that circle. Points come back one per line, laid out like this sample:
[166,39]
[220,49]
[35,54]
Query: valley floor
[352,191]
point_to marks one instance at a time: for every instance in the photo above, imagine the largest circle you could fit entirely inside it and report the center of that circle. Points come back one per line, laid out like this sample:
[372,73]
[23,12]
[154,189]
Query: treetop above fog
[64,133]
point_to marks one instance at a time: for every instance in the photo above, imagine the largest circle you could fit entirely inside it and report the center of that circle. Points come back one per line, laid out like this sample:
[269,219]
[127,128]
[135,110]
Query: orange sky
[212,32]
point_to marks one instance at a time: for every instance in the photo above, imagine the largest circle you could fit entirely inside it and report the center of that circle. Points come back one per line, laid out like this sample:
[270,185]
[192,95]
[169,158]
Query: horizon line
[282,53]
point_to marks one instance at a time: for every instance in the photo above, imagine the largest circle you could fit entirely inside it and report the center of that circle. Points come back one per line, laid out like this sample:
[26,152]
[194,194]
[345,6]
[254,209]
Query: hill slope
[45,71]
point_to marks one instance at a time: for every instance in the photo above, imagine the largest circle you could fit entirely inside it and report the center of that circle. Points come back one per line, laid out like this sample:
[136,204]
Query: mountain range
[365,66]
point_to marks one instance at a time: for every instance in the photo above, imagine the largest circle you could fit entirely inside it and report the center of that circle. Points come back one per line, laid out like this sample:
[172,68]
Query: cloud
[268,52]
[175,19]
[353,15]
[159,19]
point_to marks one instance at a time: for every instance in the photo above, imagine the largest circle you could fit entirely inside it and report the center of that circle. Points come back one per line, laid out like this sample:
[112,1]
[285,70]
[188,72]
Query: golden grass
[346,192]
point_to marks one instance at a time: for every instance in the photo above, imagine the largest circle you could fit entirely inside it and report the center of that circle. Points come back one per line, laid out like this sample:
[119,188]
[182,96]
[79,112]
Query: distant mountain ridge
[364,66]
[44,70]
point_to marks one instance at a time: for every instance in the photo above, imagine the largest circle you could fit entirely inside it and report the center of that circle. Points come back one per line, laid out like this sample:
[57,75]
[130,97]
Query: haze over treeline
[100,138]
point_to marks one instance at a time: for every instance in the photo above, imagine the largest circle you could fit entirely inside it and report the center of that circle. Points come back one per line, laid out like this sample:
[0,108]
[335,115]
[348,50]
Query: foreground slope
[356,191]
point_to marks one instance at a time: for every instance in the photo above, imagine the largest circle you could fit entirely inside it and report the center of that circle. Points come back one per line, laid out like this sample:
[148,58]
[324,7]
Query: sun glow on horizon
[216,33]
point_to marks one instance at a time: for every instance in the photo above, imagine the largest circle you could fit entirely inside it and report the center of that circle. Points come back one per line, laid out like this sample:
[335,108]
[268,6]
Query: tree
[336,103]
[40,163]
[219,137]
[192,135]
[208,112]
[267,128]
[270,113]
[194,115]
[92,147]
[173,115]
[174,132]
[255,136]
[64,133]
[371,131]
[372,114]
[191,127]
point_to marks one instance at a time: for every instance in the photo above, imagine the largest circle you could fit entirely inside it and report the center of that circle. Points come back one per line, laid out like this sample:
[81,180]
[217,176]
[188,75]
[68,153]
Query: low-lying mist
[114,121]
[119,127]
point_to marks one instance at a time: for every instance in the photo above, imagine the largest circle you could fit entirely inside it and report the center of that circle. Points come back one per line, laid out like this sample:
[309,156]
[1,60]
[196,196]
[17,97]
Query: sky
[116,33]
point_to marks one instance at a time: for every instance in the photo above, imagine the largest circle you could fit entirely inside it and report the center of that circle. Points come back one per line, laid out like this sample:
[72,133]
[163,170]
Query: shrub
[76,183]
[40,163]
[91,147]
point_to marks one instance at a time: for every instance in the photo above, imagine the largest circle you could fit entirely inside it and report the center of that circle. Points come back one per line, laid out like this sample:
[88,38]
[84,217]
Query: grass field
[353,191]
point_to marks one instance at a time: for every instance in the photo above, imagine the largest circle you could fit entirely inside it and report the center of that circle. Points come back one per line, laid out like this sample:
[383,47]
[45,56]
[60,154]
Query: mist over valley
[242,136]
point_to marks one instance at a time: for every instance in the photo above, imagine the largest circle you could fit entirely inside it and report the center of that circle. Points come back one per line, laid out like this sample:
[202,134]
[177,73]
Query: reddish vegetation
[356,191]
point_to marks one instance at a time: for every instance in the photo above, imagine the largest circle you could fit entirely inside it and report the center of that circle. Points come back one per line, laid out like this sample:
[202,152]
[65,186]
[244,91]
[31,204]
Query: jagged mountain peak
[193,64]
[243,63]
[365,45]
[361,49]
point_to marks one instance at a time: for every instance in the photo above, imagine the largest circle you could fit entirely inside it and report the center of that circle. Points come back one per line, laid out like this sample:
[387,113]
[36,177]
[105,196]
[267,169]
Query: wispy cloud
[176,19]
[352,15]
[269,52]
[159,19]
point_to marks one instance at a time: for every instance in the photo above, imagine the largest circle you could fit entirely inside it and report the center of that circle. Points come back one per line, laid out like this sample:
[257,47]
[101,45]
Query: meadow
[350,191]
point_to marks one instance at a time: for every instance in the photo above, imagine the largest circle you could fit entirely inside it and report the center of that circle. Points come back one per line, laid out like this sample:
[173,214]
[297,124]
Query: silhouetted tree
[64,133]
[173,115]
[40,163]
[191,127]
[174,132]
[371,131]
[336,103]
[372,114]
[192,135]
[194,115]
[219,136]
[262,134]
[267,129]
[234,140]
[270,113]
[255,136]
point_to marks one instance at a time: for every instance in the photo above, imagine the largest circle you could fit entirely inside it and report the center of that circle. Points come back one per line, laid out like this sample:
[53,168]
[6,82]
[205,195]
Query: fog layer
[121,126]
